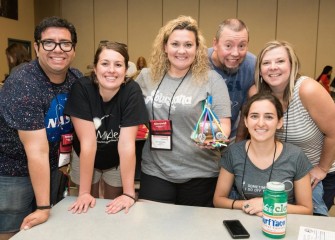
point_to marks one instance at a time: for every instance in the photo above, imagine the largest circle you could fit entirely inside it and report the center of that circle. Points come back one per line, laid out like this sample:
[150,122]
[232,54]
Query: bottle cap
[275,186]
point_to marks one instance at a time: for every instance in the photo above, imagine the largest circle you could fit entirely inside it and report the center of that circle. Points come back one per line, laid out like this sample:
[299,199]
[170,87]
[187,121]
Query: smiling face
[55,62]
[262,121]
[181,50]
[231,48]
[110,72]
[275,68]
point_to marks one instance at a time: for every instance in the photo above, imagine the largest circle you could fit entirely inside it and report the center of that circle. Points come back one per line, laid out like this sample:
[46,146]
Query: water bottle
[274,210]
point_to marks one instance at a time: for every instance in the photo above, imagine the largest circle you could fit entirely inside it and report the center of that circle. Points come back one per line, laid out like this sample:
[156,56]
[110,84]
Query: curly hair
[159,62]
[261,85]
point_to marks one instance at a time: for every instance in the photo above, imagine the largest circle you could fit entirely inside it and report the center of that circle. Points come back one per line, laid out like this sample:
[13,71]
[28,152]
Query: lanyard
[288,108]
[245,161]
[152,105]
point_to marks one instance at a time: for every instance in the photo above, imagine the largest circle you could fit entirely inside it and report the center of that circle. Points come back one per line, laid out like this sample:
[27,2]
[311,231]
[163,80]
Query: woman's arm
[222,190]
[126,149]
[303,197]
[321,108]
[85,131]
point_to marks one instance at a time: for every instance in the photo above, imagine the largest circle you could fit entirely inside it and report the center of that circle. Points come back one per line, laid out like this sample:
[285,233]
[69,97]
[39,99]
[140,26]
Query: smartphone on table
[236,229]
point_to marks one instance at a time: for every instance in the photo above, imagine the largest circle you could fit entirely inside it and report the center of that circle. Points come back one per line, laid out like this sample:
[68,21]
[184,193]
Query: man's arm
[37,150]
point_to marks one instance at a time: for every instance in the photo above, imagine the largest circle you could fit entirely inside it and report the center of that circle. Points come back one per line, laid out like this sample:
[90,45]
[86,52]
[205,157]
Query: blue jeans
[319,206]
[17,200]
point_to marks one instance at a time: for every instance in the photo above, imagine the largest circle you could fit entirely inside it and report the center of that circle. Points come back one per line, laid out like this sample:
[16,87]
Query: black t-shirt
[125,109]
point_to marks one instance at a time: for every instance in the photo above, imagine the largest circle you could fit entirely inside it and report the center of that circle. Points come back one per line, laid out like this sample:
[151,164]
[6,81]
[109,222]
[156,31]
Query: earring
[261,79]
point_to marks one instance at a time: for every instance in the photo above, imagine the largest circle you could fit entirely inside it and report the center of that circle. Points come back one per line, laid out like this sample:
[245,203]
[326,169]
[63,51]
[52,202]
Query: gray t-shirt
[186,160]
[291,165]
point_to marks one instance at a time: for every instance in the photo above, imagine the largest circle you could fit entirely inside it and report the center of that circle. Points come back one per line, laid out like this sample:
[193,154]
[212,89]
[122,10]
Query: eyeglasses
[51,45]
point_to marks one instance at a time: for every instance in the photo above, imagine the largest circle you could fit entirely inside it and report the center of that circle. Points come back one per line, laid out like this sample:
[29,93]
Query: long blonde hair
[159,62]
[261,85]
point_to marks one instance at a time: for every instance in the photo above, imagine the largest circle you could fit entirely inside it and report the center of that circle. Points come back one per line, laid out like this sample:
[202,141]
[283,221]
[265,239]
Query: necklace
[245,161]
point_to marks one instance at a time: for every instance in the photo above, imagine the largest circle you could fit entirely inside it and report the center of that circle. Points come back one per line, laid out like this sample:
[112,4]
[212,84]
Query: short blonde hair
[261,85]
[159,62]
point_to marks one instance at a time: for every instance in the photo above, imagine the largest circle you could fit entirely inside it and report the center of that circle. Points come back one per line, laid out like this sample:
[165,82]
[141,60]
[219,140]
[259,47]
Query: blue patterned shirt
[29,101]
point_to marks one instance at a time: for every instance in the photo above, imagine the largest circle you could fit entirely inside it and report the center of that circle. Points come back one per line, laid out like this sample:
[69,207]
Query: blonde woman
[174,169]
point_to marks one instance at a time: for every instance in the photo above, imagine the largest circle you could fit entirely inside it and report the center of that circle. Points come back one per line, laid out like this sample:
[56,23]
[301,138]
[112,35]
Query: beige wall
[22,29]
[44,8]
[307,24]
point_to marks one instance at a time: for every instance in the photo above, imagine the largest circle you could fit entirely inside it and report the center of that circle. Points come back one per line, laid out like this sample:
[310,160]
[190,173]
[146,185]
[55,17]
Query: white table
[149,220]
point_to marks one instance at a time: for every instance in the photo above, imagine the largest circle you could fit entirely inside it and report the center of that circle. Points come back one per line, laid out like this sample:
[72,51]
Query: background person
[174,169]
[32,124]
[308,110]
[230,58]
[325,77]
[140,64]
[106,110]
[16,55]
[332,89]
[251,164]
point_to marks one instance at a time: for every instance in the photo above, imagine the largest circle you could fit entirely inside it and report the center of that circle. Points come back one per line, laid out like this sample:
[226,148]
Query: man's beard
[230,71]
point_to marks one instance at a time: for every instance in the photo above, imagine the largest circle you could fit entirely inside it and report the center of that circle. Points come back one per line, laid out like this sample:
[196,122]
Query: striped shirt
[300,129]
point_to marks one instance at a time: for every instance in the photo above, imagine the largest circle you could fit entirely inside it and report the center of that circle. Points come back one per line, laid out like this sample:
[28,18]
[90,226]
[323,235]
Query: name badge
[160,134]
[65,148]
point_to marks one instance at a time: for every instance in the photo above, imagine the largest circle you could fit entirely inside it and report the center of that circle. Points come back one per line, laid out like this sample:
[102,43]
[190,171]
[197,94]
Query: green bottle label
[274,213]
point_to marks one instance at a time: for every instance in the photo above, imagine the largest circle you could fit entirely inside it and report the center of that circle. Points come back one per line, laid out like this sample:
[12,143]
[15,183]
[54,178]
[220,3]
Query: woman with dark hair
[250,164]
[16,54]
[106,109]
[324,78]
[140,64]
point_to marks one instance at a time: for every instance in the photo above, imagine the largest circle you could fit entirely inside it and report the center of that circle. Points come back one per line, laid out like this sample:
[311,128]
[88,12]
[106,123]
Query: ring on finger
[246,206]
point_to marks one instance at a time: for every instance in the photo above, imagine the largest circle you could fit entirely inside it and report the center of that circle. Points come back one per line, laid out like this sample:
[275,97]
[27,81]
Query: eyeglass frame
[56,44]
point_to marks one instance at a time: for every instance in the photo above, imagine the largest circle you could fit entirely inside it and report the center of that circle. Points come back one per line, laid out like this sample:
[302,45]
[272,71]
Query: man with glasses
[33,129]
[230,58]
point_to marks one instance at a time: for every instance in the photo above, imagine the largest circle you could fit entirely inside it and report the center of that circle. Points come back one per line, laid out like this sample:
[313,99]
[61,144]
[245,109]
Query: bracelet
[125,194]
[232,205]
[43,207]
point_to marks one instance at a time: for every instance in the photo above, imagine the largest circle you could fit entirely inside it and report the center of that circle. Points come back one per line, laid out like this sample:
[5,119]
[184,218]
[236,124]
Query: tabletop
[150,220]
